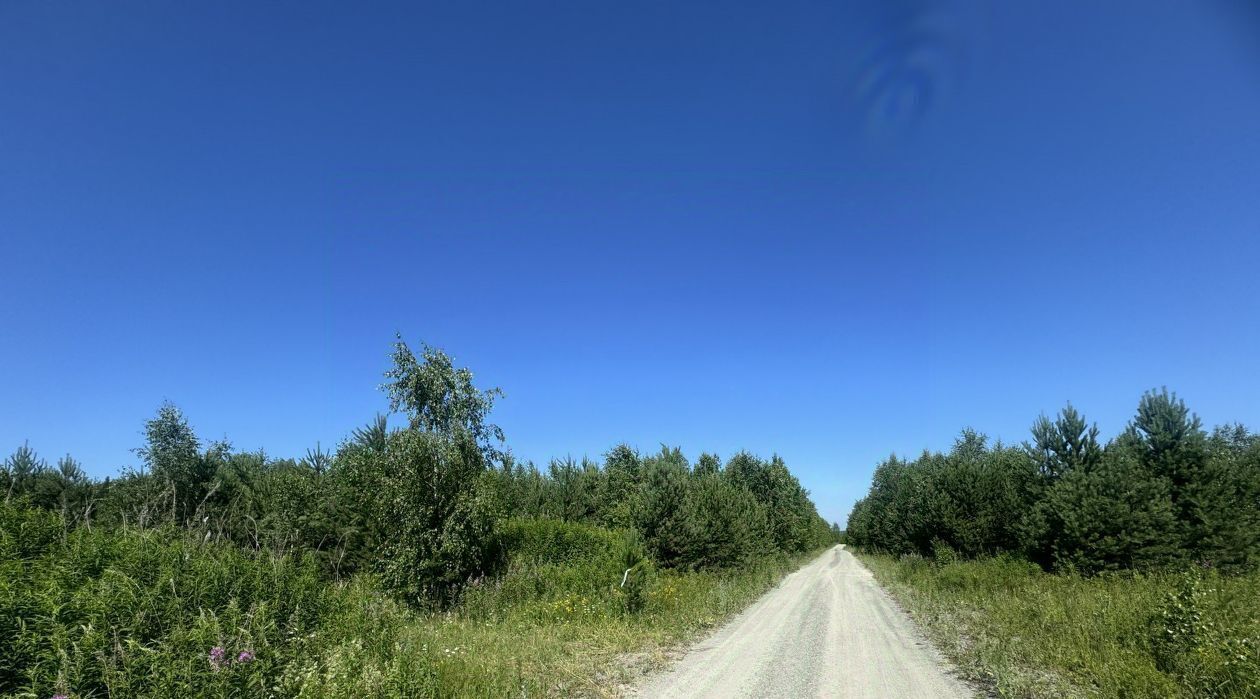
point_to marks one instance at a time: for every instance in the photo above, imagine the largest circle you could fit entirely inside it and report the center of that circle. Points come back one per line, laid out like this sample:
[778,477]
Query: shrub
[430,509]
[137,614]
[1205,656]
[545,561]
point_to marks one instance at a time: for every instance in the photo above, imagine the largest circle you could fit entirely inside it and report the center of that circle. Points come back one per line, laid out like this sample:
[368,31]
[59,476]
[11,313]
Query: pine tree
[1059,448]
[1114,515]
[1064,444]
[1172,445]
[1226,500]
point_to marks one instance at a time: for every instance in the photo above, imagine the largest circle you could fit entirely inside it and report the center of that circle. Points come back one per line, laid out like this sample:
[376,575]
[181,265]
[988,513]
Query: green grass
[564,644]
[1026,633]
[136,614]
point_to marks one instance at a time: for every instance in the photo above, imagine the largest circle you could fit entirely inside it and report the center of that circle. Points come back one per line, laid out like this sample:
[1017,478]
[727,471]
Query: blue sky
[831,230]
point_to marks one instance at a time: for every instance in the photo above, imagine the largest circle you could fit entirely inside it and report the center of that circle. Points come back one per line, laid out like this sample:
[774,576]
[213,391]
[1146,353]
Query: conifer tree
[1064,444]
[1114,515]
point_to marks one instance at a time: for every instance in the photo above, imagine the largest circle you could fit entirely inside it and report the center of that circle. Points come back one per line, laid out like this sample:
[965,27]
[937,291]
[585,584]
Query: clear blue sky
[831,230]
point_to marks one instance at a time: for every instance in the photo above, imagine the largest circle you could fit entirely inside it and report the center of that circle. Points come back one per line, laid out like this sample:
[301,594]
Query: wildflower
[61,696]
[218,657]
[246,656]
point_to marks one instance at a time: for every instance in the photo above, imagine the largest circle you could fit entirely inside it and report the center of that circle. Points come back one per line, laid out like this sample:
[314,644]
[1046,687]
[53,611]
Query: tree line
[421,506]
[1164,492]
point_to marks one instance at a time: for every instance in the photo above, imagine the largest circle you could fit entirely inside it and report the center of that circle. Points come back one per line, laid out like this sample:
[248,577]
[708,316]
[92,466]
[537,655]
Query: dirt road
[827,630]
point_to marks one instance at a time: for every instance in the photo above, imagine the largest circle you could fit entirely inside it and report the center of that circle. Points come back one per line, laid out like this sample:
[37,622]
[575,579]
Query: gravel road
[827,630]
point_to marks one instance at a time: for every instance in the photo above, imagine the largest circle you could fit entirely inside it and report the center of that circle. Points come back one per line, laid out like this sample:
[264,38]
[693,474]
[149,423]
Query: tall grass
[1027,633]
[555,623]
[124,613]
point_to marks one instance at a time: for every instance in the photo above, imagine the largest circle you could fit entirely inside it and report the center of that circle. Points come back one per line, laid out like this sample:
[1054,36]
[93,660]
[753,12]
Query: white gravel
[827,630]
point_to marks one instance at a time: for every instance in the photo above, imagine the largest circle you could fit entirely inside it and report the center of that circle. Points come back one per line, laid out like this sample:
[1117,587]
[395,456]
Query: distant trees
[64,487]
[21,470]
[1163,491]
[970,500]
[707,516]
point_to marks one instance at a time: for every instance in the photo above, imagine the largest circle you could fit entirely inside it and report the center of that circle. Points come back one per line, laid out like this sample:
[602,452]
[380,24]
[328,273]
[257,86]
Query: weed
[1028,633]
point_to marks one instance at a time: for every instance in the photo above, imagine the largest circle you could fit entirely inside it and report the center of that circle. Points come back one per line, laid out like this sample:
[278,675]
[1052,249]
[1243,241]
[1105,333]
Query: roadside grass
[95,613]
[1022,632]
[562,643]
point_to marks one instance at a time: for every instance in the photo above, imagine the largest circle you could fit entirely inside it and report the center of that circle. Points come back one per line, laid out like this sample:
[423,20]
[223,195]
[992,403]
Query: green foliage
[171,454]
[1113,516]
[1227,500]
[1161,493]
[1023,632]
[27,532]
[137,613]
[439,398]
[544,563]
[427,507]
[1199,651]
[972,500]
[1064,445]
[708,464]
[373,571]
[723,524]
[696,518]
[554,541]
[21,469]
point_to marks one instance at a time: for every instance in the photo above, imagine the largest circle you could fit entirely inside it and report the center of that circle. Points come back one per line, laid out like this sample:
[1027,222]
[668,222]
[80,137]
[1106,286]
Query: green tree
[424,495]
[708,464]
[621,489]
[661,515]
[171,453]
[1059,447]
[723,524]
[1170,443]
[1064,444]
[1115,515]
[21,469]
[430,508]
[1226,500]
[439,398]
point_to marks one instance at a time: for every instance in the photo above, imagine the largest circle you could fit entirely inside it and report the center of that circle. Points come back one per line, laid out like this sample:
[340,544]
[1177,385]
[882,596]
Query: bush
[1205,656]
[557,542]
[548,561]
[429,506]
[26,532]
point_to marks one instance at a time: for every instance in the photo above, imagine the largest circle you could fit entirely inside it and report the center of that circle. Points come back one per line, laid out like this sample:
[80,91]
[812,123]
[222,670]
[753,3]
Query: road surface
[827,630]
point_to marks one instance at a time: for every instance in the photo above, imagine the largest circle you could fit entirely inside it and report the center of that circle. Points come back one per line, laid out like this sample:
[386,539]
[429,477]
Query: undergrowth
[1027,633]
[123,613]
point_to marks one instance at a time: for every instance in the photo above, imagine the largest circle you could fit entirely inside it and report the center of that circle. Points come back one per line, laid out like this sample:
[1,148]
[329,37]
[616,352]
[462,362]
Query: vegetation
[1028,633]
[423,561]
[1064,566]
[1164,493]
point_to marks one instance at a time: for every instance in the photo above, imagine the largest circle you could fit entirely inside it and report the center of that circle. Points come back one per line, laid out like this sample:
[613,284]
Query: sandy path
[827,630]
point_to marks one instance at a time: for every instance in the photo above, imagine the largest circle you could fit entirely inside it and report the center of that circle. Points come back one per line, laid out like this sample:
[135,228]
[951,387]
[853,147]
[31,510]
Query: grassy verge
[1027,633]
[555,644]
